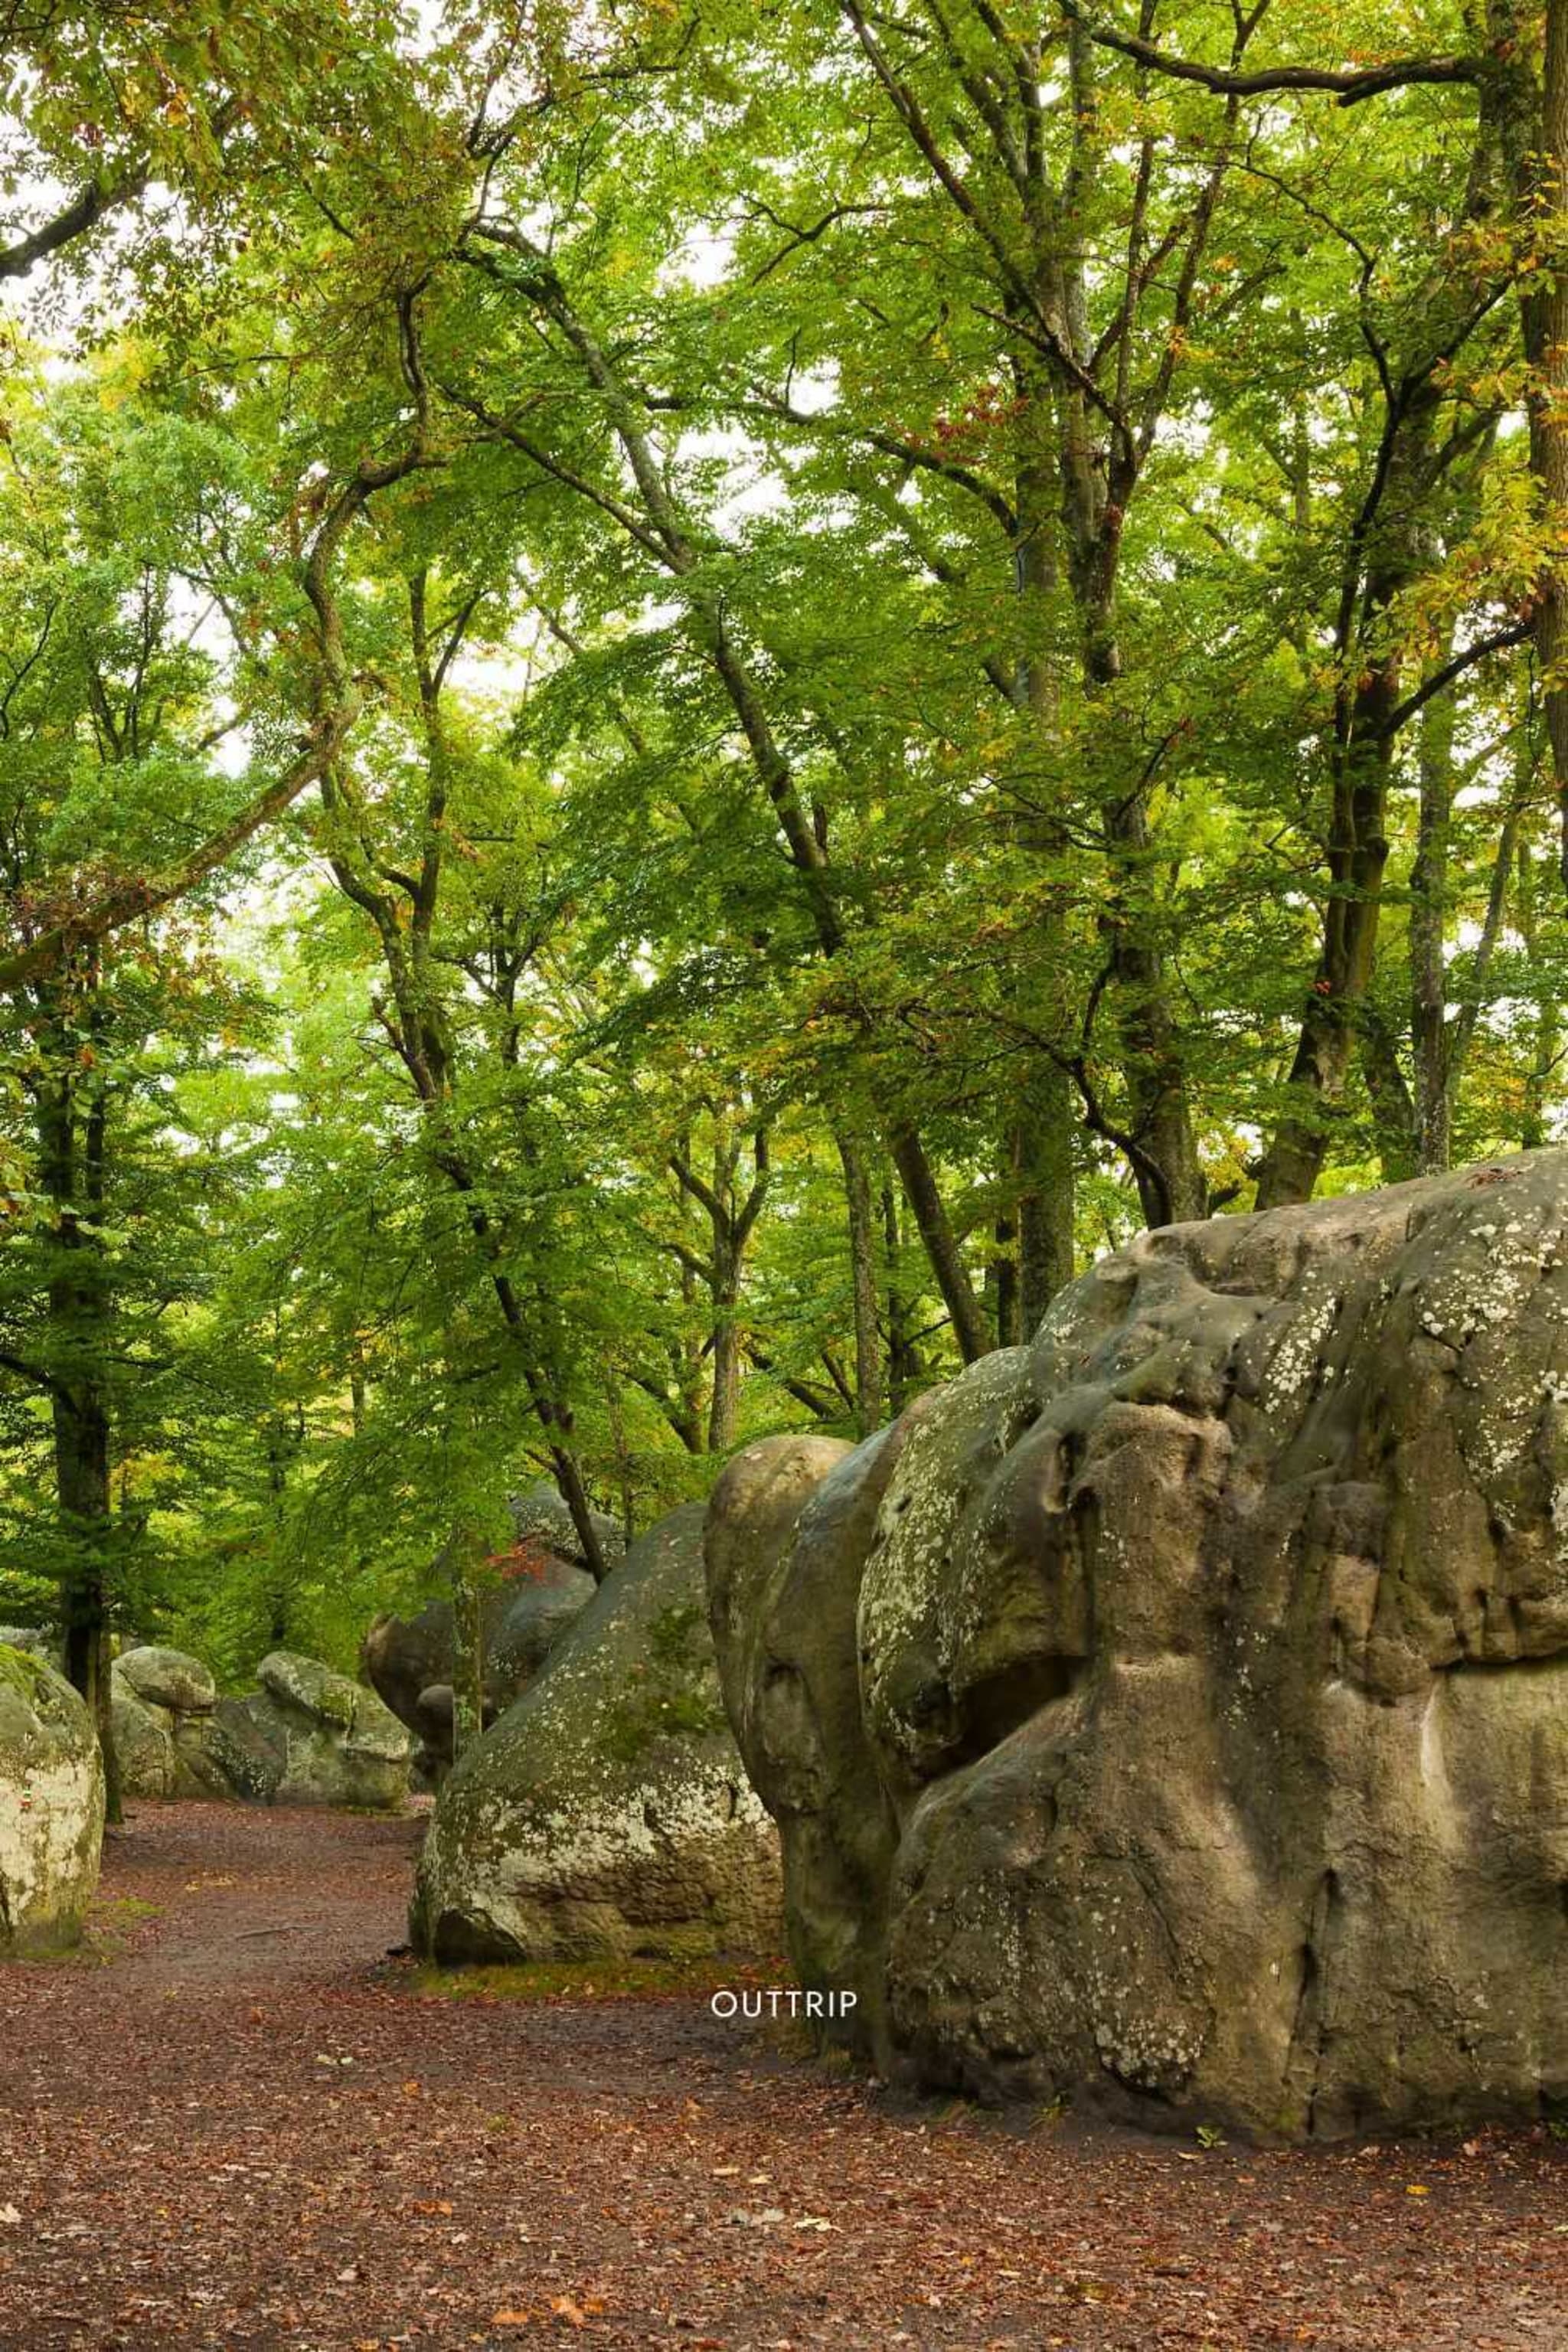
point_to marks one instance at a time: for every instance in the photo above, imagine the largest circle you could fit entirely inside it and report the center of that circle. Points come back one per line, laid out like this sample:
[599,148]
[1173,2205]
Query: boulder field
[305,1737]
[1172,1716]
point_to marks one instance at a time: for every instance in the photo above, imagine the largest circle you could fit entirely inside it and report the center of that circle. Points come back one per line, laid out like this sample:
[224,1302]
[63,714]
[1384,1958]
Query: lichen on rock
[162,1703]
[332,1741]
[1173,1716]
[52,1807]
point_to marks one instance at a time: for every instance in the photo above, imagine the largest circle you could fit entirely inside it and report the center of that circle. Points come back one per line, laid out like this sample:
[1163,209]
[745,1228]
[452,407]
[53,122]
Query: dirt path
[247,2128]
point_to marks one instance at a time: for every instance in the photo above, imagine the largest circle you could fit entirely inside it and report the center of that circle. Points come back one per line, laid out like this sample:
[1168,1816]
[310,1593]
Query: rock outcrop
[311,1736]
[51,1807]
[541,1586]
[607,1812]
[1173,1716]
[161,1703]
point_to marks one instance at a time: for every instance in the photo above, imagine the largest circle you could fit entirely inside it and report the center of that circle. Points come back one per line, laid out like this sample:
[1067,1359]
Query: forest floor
[237,2122]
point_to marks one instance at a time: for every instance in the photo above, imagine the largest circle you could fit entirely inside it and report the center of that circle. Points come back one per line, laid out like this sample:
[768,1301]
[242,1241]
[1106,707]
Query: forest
[693,694]
[784,1175]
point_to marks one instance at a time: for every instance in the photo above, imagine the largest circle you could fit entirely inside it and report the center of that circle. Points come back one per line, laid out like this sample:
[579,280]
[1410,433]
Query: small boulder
[340,1745]
[51,1807]
[161,1707]
[607,1813]
[143,1744]
[167,1678]
[36,1642]
[540,1516]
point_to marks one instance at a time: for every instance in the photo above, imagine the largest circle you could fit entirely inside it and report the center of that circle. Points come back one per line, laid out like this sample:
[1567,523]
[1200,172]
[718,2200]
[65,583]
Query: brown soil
[240,2125]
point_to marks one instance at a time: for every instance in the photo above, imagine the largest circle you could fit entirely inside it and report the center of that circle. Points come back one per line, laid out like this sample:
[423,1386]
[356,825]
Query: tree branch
[1349,84]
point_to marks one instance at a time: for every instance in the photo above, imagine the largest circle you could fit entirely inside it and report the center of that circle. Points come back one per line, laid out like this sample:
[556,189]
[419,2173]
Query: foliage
[691,695]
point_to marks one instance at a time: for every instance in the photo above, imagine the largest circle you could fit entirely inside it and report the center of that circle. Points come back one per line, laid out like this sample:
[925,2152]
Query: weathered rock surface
[608,1812]
[546,1586]
[247,1746]
[1173,1715]
[328,1740]
[34,1641]
[51,1807]
[167,1678]
[160,1708]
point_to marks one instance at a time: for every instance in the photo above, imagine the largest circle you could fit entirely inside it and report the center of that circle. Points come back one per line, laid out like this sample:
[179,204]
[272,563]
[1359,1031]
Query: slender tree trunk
[724,1397]
[1546,349]
[72,1159]
[1547,1025]
[1429,924]
[468,1643]
[1039,1143]
[1002,1285]
[1171,1187]
[863,1285]
[1045,1202]
[903,1364]
[1360,763]
[919,1181]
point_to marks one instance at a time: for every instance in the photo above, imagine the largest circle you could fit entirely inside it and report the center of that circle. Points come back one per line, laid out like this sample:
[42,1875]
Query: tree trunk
[724,1398]
[863,1285]
[1002,1279]
[1546,1028]
[468,1643]
[903,1363]
[1040,1153]
[1546,350]
[1428,922]
[73,1165]
[919,1181]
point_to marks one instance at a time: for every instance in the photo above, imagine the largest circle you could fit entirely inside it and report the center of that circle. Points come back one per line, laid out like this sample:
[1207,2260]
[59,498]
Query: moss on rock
[607,1812]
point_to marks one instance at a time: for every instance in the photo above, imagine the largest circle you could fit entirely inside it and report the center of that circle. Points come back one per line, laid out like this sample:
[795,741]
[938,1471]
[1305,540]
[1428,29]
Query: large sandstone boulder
[1173,1715]
[540,1587]
[51,1807]
[311,1736]
[607,1812]
[161,1709]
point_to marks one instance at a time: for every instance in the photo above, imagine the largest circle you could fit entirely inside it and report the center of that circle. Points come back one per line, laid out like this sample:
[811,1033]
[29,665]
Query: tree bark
[862,1285]
[1428,920]
[1545,319]
[965,1310]
[72,1163]
[903,1363]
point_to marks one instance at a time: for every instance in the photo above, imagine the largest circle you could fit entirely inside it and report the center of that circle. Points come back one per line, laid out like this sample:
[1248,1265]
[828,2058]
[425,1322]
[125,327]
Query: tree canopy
[691,695]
